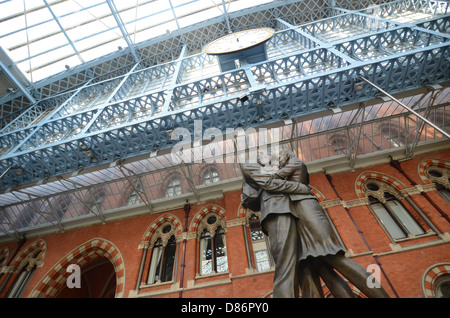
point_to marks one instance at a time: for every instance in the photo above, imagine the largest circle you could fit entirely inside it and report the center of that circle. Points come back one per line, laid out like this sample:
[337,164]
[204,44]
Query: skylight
[46,37]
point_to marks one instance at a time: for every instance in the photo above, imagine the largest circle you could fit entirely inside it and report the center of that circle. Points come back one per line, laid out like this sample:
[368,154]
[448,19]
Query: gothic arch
[166,218]
[56,277]
[431,275]
[23,257]
[425,164]
[204,211]
[364,177]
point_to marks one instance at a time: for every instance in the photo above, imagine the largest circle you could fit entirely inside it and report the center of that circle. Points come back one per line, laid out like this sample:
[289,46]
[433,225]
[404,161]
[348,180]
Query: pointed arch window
[162,260]
[259,244]
[24,276]
[440,176]
[442,286]
[390,212]
[213,250]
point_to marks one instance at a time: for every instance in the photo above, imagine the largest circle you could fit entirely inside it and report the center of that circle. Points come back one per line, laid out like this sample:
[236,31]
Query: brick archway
[161,220]
[426,163]
[56,277]
[373,175]
[204,211]
[22,258]
[431,275]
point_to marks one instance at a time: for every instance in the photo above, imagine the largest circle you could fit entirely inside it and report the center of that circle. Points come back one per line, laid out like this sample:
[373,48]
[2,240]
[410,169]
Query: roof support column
[175,76]
[121,26]
[227,18]
[64,31]
[17,82]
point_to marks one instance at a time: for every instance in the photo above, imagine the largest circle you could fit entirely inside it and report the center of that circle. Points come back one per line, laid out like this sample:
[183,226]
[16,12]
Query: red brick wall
[359,230]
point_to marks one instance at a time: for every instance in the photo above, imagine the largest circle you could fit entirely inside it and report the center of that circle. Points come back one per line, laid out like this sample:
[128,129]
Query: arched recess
[425,164]
[22,268]
[364,177]
[431,278]
[84,255]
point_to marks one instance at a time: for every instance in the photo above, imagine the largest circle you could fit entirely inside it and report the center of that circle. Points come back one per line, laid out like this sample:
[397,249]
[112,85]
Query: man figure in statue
[274,198]
[302,243]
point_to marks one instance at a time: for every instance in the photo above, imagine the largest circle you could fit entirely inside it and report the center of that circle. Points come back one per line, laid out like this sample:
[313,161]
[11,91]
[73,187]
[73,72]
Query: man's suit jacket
[275,197]
[295,170]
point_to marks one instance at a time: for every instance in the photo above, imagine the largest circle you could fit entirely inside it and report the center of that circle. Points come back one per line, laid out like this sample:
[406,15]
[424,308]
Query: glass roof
[46,37]
[312,140]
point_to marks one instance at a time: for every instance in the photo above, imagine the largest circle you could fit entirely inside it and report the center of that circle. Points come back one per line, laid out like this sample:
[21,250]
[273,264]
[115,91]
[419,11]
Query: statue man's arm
[291,166]
[284,186]
[256,177]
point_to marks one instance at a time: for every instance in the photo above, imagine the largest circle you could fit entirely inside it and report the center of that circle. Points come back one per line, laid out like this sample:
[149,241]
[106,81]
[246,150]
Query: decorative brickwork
[431,275]
[406,262]
[204,211]
[320,197]
[166,218]
[364,178]
[443,166]
[28,252]
[55,279]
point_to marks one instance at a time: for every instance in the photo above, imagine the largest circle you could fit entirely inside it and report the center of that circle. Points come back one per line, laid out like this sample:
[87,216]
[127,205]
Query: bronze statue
[302,242]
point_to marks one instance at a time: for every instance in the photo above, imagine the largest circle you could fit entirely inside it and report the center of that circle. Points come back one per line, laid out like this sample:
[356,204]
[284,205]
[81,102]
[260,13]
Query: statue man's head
[283,159]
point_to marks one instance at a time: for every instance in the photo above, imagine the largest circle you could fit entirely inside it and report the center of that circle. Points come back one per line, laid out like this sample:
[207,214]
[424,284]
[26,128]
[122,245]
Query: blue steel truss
[310,68]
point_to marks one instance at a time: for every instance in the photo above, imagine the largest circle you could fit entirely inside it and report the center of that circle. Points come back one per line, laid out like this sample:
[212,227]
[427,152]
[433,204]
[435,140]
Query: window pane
[133,198]
[173,188]
[205,254]
[169,260]
[388,221]
[210,176]
[257,235]
[262,260]
[405,217]
[221,251]
[443,192]
[155,265]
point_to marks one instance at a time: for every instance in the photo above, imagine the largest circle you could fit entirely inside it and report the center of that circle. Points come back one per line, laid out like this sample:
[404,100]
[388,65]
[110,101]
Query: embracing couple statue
[302,243]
